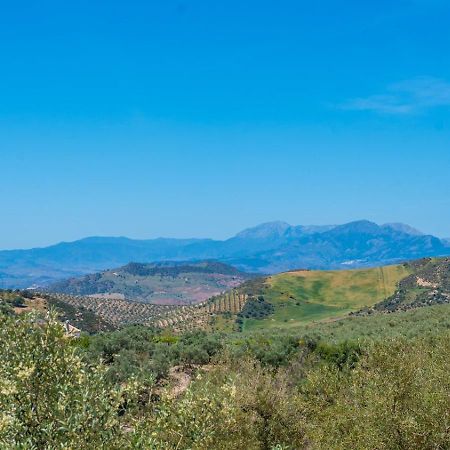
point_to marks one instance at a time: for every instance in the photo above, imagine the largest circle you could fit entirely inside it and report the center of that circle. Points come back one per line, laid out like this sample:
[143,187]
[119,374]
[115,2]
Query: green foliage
[322,388]
[378,327]
[9,300]
[343,355]
[6,308]
[146,353]
[397,397]
[240,406]
[18,302]
[197,347]
[275,351]
[131,351]
[48,397]
[256,308]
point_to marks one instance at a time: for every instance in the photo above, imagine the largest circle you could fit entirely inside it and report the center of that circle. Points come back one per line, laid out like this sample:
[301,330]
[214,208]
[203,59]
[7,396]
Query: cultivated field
[179,317]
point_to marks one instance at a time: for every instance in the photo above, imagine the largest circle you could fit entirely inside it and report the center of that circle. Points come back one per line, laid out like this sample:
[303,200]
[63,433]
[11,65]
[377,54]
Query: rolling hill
[300,297]
[21,302]
[170,283]
[268,248]
[291,300]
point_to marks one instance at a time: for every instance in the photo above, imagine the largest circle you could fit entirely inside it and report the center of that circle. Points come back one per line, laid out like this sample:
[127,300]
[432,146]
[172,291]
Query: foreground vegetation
[377,379]
[319,389]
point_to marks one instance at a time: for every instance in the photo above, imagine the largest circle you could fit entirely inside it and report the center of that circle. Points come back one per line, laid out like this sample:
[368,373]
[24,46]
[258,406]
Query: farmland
[185,317]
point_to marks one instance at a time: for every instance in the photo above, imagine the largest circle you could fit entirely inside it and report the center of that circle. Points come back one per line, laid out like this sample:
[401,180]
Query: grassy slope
[303,297]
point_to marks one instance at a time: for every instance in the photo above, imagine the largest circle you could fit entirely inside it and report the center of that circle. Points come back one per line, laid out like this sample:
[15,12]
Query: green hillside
[375,327]
[305,296]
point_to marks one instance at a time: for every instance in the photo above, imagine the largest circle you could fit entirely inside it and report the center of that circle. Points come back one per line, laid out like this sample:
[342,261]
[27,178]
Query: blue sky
[194,118]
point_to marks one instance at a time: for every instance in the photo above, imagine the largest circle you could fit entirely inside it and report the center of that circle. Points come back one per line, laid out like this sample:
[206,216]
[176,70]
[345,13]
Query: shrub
[397,397]
[18,302]
[236,405]
[48,397]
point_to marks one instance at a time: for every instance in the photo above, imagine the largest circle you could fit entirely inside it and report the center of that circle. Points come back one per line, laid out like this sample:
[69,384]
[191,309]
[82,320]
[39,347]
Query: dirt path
[180,378]
[34,304]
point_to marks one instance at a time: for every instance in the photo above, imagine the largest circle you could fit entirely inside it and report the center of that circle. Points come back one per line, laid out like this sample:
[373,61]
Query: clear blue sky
[199,118]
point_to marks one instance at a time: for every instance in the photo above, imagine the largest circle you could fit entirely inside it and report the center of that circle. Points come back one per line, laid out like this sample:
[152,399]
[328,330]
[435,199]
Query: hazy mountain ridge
[267,248]
[357,244]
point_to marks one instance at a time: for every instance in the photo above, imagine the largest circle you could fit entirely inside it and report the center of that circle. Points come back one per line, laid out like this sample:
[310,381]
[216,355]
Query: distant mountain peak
[358,226]
[265,230]
[403,228]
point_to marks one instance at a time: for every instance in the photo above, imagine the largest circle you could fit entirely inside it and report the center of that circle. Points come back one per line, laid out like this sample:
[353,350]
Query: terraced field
[184,317]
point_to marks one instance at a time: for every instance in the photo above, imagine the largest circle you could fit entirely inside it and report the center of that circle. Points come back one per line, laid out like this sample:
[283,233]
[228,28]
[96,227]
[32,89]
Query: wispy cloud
[406,97]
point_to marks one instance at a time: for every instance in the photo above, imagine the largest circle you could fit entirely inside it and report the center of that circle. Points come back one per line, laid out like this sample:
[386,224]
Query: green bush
[18,302]
[397,397]
[48,397]
[237,405]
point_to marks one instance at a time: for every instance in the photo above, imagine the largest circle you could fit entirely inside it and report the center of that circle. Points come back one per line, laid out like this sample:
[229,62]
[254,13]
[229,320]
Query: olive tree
[48,397]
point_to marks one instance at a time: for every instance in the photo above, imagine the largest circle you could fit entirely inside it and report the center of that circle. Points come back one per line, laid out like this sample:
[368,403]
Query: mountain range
[267,248]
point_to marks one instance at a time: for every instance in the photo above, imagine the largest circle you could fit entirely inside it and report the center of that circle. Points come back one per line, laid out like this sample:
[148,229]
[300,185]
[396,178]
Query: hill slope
[172,283]
[305,296]
[429,284]
[20,302]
